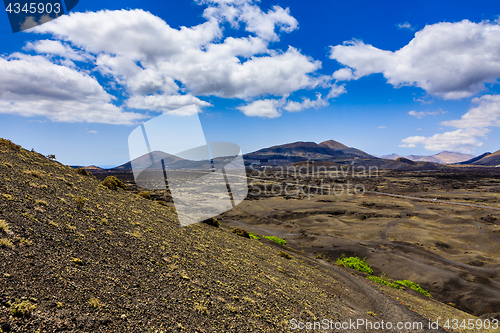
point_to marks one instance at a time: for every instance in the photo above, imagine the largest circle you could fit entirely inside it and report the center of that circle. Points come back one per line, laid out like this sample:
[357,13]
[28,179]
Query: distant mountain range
[444,157]
[89,168]
[326,151]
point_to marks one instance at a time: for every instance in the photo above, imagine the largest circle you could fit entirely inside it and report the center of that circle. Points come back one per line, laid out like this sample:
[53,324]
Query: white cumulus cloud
[307,103]
[451,60]
[55,47]
[34,86]
[266,108]
[164,103]
[462,140]
[471,127]
[256,21]
[160,68]
[485,114]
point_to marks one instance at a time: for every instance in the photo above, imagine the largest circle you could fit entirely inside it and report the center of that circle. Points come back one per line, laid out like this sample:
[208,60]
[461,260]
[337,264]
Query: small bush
[284,255]
[95,303]
[241,232]
[22,308]
[161,202]
[254,236]
[113,183]
[80,202]
[5,243]
[355,263]
[51,157]
[275,239]
[77,261]
[145,195]
[384,282]
[41,203]
[213,222]
[414,286]
[4,226]
[8,197]
[83,172]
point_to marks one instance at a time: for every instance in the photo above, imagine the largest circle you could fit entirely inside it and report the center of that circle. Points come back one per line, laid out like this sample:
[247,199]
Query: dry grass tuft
[4,226]
[145,195]
[5,243]
[34,173]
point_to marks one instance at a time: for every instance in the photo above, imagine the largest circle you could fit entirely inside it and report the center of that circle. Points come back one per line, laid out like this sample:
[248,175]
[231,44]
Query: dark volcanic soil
[453,251]
[76,256]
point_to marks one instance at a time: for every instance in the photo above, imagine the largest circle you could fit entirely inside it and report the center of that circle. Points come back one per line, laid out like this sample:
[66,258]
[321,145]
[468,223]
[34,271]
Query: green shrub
[113,183]
[275,239]
[22,308]
[254,236]
[414,286]
[145,195]
[161,202]
[355,263]
[384,282]
[241,232]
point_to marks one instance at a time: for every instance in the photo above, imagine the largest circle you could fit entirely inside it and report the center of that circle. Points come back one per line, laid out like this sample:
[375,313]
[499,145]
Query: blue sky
[401,78]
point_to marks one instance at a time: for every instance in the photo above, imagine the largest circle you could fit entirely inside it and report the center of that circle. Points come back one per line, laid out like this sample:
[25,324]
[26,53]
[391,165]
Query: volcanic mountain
[154,161]
[302,151]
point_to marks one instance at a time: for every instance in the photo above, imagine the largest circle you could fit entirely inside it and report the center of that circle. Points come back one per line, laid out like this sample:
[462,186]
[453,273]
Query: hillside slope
[91,259]
[474,159]
[489,160]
